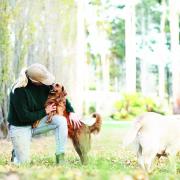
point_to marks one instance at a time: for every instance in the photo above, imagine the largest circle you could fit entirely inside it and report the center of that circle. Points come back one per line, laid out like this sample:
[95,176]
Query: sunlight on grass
[107,161]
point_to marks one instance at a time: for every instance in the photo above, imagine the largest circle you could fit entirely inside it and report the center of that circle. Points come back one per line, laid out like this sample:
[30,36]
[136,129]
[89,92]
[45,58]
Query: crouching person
[27,98]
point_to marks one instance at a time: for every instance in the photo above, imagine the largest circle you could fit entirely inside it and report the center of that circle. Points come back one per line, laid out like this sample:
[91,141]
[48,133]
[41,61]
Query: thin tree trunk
[5,64]
[80,59]
[105,73]
[174,27]
[130,43]
[162,51]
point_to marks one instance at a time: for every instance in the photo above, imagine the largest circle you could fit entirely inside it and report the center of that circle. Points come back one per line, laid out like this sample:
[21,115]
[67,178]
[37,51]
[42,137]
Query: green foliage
[67,2]
[131,105]
[25,43]
[138,75]
[92,86]
[92,108]
[168,80]
[68,13]
[116,68]
[117,37]
[95,2]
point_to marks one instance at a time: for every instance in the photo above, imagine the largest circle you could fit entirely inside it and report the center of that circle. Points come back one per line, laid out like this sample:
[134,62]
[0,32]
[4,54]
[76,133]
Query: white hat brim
[49,81]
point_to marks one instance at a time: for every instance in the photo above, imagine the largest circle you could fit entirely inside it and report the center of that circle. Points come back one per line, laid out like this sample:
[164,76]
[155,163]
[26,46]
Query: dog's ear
[64,91]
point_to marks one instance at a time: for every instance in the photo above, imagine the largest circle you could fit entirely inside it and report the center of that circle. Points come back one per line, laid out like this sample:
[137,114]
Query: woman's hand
[75,120]
[50,108]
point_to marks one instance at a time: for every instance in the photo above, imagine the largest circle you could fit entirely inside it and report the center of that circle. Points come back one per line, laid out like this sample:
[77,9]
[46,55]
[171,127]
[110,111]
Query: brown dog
[57,97]
[81,137]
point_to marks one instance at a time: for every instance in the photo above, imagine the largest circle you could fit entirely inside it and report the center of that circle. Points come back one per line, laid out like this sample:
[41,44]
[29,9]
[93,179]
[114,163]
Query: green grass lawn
[107,160]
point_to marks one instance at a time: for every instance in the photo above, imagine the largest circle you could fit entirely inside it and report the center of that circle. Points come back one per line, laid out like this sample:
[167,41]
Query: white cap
[39,73]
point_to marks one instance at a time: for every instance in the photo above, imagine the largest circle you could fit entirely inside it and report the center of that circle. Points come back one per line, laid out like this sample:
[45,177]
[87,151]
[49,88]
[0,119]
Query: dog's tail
[96,127]
[131,135]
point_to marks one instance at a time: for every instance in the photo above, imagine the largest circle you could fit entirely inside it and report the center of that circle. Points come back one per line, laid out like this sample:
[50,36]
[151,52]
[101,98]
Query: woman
[26,106]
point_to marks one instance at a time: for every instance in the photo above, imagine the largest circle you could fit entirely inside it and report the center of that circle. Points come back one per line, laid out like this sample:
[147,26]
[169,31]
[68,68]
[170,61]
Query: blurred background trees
[105,52]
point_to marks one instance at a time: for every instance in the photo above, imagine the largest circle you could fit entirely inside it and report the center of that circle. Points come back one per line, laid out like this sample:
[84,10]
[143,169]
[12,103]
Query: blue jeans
[21,137]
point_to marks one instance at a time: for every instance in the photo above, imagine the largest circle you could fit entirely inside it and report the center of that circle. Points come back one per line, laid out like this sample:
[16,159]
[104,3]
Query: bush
[131,105]
[92,108]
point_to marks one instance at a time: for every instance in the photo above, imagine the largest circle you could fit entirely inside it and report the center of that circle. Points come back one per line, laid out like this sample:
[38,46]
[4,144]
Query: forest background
[116,57]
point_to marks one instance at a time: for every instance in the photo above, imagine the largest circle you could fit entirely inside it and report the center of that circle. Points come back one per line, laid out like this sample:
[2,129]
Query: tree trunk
[162,52]
[130,45]
[174,28]
[105,72]
[3,123]
[5,64]
[80,58]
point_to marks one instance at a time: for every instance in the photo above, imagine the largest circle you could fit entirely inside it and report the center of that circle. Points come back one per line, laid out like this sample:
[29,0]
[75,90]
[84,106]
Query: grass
[107,160]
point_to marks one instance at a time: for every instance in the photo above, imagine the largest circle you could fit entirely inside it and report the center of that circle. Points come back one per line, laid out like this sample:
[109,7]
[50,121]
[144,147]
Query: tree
[36,31]
[174,30]
[117,51]
[5,63]
[130,47]
[80,58]
[162,51]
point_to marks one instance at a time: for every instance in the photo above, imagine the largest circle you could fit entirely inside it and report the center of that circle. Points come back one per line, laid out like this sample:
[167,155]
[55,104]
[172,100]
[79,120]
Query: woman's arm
[73,117]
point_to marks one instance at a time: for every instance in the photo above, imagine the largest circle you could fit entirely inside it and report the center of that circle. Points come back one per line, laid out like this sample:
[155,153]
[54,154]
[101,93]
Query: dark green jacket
[27,104]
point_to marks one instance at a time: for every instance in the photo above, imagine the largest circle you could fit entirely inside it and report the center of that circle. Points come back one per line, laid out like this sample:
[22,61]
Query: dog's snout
[62,88]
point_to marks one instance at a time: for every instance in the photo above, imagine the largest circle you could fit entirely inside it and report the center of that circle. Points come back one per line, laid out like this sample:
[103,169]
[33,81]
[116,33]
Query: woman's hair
[36,73]
[22,81]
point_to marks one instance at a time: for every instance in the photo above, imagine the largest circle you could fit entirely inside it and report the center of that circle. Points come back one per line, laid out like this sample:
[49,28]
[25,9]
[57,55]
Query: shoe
[13,155]
[60,159]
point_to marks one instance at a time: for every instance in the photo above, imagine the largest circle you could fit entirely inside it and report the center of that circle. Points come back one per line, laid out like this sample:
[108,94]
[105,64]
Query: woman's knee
[21,145]
[59,120]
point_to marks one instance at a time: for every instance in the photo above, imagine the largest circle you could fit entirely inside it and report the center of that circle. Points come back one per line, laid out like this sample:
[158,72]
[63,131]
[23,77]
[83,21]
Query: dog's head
[58,89]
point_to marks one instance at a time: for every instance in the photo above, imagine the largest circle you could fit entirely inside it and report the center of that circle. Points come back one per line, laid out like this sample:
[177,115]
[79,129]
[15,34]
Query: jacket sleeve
[20,104]
[69,108]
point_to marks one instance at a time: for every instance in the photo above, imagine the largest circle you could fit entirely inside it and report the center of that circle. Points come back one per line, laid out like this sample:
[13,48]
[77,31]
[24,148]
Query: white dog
[155,135]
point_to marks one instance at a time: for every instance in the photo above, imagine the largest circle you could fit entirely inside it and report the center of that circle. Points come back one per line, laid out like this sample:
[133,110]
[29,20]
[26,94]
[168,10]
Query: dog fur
[155,135]
[57,97]
[81,137]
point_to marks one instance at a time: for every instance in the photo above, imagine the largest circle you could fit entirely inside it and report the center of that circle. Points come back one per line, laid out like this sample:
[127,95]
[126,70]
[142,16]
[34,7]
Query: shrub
[92,108]
[131,105]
